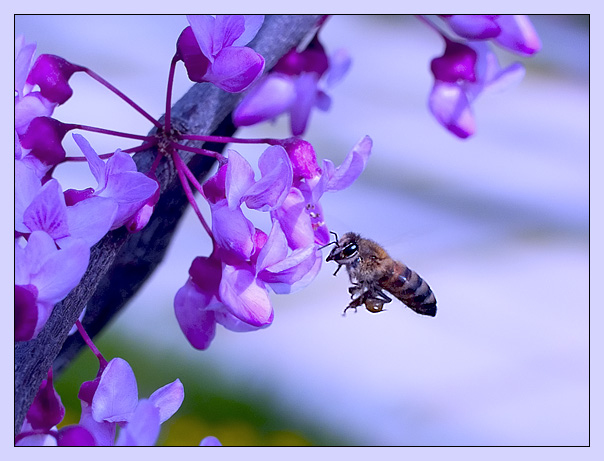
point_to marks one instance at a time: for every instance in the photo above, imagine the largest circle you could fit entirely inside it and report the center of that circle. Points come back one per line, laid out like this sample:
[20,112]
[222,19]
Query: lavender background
[498,226]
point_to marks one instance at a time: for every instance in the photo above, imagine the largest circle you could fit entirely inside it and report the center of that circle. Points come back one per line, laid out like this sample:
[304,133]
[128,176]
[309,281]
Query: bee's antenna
[335,242]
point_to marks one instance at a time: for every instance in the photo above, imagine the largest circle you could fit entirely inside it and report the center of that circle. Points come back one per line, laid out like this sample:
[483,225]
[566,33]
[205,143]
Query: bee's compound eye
[349,250]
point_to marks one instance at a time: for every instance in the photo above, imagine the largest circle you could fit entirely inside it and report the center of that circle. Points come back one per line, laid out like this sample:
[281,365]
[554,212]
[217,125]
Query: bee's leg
[355,303]
[355,289]
[350,306]
[375,301]
[383,296]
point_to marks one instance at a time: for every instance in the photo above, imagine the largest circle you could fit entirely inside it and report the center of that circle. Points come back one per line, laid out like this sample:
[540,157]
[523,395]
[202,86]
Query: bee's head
[346,249]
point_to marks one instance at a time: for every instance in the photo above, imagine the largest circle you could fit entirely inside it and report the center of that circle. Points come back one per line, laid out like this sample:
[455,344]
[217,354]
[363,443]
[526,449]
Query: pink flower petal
[232,230]
[518,34]
[253,23]
[29,107]
[91,219]
[195,316]
[306,94]
[274,250]
[168,399]
[277,175]
[48,212]
[295,220]
[352,166]
[116,396]
[235,69]
[75,436]
[26,312]
[270,97]
[203,29]
[96,165]
[227,29]
[283,275]
[26,188]
[450,106]
[245,297]
[474,26]
[210,441]
[239,178]
[61,271]
[143,427]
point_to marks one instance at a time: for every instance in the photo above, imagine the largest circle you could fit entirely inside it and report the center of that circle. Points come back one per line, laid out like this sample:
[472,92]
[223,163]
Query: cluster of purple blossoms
[468,67]
[55,228]
[294,86]
[213,50]
[230,287]
[108,402]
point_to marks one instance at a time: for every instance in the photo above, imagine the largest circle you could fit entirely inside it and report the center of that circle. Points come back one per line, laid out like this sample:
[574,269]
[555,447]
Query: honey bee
[372,270]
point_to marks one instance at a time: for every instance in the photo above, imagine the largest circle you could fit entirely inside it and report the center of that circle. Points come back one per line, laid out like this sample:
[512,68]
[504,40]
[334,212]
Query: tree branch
[121,262]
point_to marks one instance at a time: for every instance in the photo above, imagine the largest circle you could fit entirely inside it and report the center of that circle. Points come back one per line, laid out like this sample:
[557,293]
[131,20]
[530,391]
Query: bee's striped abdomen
[411,289]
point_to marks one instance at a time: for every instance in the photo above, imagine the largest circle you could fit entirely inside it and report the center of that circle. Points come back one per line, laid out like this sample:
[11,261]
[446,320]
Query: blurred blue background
[497,225]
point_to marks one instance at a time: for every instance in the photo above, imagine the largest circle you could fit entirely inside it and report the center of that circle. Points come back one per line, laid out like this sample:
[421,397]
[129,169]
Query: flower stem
[197,150]
[84,159]
[189,174]
[181,169]
[167,117]
[143,146]
[111,132]
[104,82]
[130,150]
[90,344]
[227,139]
[155,164]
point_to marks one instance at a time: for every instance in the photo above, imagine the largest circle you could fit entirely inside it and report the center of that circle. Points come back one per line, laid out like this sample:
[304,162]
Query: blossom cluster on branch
[56,228]
[469,67]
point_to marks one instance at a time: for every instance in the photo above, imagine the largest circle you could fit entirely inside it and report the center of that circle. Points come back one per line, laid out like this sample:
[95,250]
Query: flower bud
[44,136]
[51,74]
[303,158]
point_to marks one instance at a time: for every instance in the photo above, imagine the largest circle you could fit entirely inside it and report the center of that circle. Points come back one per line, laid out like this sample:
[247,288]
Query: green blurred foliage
[212,406]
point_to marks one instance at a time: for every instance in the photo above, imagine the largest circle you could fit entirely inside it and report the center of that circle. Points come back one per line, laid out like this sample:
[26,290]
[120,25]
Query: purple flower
[119,180]
[43,140]
[43,208]
[461,74]
[465,70]
[210,441]
[75,436]
[112,399]
[301,214]
[473,26]
[44,275]
[233,185]
[213,50]
[46,410]
[142,216]
[52,73]
[56,254]
[28,104]
[235,295]
[513,32]
[295,85]
[231,287]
